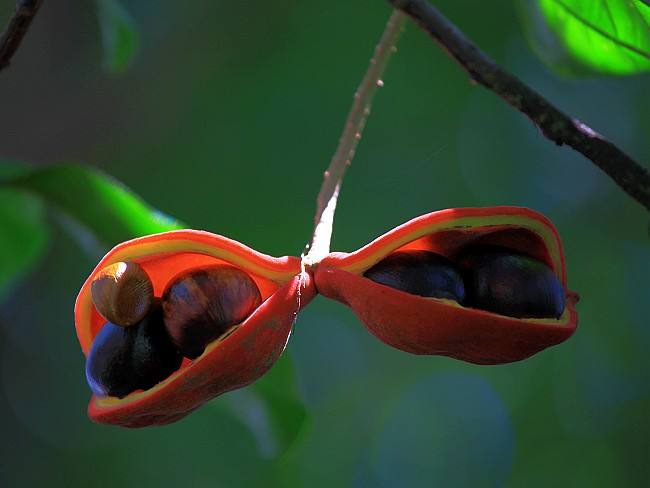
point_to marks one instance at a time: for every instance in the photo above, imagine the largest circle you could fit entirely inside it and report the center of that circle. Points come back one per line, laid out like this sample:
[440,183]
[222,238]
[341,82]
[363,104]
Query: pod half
[236,359]
[422,325]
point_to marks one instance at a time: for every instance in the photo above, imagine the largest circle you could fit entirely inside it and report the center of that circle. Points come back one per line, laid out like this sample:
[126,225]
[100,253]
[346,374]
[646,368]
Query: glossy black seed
[422,273]
[123,360]
[508,283]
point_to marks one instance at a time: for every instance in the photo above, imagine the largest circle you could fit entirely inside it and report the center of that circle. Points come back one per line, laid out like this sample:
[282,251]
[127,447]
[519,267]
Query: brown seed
[122,293]
[201,304]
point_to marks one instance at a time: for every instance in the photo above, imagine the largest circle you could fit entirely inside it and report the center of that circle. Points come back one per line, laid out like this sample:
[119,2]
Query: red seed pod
[233,361]
[422,325]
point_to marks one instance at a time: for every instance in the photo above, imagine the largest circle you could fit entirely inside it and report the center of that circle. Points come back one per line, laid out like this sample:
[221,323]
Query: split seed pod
[232,361]
[422,325]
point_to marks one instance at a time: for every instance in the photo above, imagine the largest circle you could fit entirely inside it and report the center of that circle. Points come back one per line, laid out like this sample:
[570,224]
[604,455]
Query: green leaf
[111,211]
[23,236]
[280,392]
[23,231]
[96,204]
[581,37]
[271,408]
[119,35]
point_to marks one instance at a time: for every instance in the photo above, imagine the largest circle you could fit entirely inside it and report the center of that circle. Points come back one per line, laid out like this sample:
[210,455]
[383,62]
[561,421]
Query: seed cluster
[145,338]
[489,278]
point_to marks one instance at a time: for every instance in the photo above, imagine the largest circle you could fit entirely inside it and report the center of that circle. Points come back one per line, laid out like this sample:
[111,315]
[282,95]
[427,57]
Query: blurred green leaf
[119,35]
[106,207]
[23,235]
[11,169]
[23,231]
[280,393]
[583,37]
[271,407]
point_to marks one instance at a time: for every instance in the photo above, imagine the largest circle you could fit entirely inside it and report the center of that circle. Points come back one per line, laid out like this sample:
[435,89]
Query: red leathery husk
[236,359]
[435,326]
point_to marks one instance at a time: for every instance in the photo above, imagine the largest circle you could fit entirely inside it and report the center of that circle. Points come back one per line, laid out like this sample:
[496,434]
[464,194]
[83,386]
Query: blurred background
[226,119]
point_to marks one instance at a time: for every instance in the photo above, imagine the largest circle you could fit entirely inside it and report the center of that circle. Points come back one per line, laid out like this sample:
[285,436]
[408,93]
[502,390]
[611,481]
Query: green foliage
[119,35]
[272,408]
[23,235]
[233,135]
[112,212]
[105,208]
[282,400]
[583,37]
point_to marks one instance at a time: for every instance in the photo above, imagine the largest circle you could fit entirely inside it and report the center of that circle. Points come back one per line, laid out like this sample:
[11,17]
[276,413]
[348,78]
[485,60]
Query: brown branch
[633,178]
[16,29]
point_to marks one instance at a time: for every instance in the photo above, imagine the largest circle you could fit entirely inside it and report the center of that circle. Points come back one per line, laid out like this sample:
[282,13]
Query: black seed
[123,360]
[422,273]
[502,281]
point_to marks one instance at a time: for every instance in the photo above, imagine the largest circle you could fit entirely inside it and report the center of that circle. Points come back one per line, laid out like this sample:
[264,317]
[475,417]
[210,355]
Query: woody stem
[555,124]
[352,131]
[15,31]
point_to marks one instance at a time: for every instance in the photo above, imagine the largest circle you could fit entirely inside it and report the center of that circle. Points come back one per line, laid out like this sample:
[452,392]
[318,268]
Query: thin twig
[352,131]
[554,124]
[16,29]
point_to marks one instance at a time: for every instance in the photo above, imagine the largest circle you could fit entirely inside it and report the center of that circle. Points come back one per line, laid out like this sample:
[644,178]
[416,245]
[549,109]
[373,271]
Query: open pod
[236,359]
[421,325]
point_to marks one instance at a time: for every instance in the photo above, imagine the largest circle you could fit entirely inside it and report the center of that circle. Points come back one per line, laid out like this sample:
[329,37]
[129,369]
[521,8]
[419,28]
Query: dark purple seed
[422,273]
[125,359]
[502,281]
[201,304]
